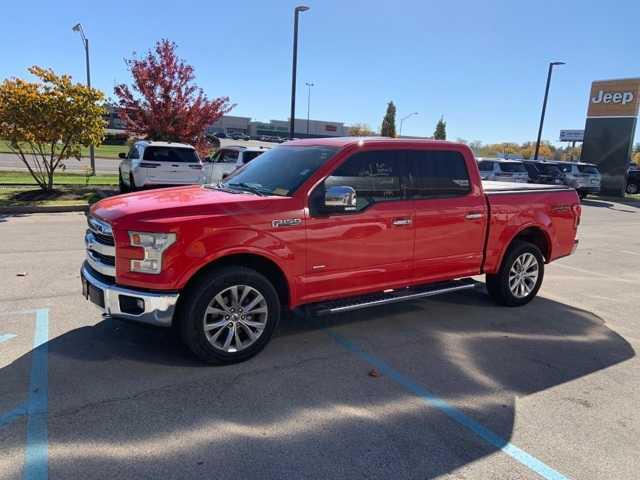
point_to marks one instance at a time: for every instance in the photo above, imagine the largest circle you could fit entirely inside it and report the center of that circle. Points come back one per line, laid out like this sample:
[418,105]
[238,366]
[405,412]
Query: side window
[133,153]
[375,176]
[435,173]
[485,165]
[227,156]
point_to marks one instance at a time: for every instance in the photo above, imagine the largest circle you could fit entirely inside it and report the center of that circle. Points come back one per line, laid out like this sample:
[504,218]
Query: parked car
[151,163]
[633,181]
[584,177]
[543,172]
[500,170]
[228,159]
[220,135]
[222,262]
[240,136]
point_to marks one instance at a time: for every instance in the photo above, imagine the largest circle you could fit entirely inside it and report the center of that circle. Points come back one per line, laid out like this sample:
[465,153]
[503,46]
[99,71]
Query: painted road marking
[597,274]
[630,253]
[452,412]
[36,465]
[7,336]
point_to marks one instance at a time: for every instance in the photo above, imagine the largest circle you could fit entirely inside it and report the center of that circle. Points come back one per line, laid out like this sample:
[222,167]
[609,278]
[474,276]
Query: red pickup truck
[324,226]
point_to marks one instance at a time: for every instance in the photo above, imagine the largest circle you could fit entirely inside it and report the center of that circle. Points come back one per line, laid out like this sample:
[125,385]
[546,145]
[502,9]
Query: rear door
[172,165]
[223,163]
[450,215]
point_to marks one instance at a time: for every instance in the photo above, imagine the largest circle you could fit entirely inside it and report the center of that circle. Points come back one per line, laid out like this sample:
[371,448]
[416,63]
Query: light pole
[544,107]
[402,121]
[85,41]
[309,85]
[296,12]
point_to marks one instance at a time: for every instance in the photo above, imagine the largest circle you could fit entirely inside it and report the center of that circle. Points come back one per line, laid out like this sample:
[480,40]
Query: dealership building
[229,124]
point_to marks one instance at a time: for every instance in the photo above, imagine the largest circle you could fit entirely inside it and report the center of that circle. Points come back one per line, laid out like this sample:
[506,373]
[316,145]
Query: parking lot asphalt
[465,390]
[10,161]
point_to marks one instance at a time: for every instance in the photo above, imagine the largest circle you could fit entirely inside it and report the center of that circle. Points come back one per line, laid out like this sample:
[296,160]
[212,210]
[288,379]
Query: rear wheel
[632,188]
[520,275]
[229,316]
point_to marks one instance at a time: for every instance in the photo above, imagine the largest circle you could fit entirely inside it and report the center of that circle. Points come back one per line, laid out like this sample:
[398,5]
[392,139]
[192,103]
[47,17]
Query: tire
[582,195]
[632,188]
[498,284]
[132,183]
[122,186]
[210,302]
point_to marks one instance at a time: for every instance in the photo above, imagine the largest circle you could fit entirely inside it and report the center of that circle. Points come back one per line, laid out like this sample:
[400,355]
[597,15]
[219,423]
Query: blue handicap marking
[7,336]
[36,465]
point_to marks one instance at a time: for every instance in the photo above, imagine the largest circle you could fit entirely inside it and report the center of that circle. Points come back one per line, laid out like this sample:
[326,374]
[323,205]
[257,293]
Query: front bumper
[137,305]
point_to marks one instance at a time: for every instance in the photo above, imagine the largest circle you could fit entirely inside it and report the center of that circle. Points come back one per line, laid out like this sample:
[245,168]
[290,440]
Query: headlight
[154,245]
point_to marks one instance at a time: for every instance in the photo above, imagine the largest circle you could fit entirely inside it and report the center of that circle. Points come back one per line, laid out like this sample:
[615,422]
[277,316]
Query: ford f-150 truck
[320,226]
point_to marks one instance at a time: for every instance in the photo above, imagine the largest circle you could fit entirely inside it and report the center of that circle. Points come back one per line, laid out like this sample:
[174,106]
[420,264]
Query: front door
[450,216]
[369,249]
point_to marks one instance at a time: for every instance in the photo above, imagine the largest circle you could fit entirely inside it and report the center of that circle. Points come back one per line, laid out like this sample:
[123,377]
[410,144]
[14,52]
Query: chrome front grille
[101,250]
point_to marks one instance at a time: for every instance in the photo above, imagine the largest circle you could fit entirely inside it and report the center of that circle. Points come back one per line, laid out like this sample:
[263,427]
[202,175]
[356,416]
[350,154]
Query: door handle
[398,222]
[474,215]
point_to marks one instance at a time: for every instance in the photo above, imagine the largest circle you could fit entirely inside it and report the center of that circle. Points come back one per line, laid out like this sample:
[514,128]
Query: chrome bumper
[158,308]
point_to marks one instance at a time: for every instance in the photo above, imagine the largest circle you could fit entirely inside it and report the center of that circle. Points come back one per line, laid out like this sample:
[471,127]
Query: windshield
[512,167]
[279,171]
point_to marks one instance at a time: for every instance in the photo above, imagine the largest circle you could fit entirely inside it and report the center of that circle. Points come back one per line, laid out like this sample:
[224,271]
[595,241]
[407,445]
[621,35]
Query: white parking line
[596,274]
[630,253]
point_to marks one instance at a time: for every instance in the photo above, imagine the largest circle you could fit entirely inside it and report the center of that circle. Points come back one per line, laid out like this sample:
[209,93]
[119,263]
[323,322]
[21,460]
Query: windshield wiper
[219,186]
[247,188]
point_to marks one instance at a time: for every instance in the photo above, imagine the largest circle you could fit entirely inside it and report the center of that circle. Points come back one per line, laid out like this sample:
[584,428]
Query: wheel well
[260,264]
[538,238]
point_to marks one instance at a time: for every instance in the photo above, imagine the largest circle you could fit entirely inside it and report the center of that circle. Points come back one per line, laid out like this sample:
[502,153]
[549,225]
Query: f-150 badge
[287,222]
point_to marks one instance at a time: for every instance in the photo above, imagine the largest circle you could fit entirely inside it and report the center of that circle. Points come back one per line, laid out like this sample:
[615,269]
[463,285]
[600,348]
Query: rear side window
[513,167]
[532,169]
[227,156]
[170,154]
[589,169]
[434,173]
[565,168]
[375,176]
[485,165]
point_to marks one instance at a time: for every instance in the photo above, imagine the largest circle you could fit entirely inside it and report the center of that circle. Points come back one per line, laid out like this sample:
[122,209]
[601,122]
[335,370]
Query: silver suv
[584,177]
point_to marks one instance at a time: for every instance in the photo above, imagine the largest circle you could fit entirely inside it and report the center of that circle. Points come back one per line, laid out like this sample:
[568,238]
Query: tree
[360,130]
[388,128]
[48,121]
[164,103]
[441,130]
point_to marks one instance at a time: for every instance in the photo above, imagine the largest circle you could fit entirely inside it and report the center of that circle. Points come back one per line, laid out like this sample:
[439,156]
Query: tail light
[577,210]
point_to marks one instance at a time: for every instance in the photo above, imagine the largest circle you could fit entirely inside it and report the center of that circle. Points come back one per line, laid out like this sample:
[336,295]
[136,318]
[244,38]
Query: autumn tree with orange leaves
[164,103]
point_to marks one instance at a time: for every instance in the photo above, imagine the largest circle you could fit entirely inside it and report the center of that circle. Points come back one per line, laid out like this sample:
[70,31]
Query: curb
[44,209]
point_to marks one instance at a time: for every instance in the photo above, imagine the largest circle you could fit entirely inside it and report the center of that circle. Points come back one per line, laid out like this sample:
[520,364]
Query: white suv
[228,159]
[584,177]
[159,163]
[503,170]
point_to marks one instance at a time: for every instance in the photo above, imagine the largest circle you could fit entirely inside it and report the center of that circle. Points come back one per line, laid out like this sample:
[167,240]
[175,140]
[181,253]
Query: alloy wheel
[523,275]
[235,318]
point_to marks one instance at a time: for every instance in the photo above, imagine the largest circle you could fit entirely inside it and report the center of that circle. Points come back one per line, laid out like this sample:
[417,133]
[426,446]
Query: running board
[394,296]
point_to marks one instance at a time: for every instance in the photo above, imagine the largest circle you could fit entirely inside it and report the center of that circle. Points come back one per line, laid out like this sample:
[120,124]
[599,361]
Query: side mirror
[340,198]
[122,155]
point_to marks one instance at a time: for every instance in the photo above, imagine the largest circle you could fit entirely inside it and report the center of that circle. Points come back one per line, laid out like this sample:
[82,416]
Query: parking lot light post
[402,121]
[309,85]
[85,41]
[296,12]
[544,106]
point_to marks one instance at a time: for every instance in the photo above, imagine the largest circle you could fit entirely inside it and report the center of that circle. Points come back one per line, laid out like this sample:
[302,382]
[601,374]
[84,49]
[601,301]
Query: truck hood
[168,204]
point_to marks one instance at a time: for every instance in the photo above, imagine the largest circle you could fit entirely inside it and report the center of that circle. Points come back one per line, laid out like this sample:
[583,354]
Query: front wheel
[124,188]
[229,316]
[632,188]
[520,275]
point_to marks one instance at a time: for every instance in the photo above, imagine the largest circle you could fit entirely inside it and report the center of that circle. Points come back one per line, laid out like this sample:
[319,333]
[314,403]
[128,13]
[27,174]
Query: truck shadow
[305,407]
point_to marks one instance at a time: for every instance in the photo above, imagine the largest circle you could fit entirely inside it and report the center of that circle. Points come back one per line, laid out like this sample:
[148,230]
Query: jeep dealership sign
[610,129]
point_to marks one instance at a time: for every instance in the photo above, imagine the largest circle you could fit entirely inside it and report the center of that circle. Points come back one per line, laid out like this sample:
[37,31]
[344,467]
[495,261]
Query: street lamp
[296,12]
[85,41]
[544,106]
[402,121]
[309,85]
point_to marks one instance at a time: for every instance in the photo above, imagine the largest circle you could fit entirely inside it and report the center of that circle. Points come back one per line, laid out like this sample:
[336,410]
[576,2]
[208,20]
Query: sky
[482,65]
